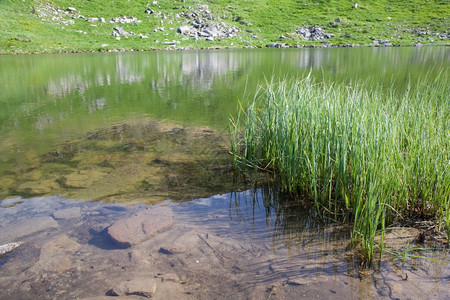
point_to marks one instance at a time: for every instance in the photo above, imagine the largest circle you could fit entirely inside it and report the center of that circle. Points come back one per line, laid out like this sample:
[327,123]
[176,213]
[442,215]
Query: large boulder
[141,226]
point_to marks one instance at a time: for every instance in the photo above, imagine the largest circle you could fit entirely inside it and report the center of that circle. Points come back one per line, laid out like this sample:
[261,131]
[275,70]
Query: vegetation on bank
[49,26]
[373,157]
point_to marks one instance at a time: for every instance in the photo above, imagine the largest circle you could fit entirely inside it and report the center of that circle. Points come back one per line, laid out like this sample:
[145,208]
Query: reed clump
[375,155]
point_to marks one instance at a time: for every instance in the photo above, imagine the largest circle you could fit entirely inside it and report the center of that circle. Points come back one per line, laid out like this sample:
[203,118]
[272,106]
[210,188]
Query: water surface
[146,128]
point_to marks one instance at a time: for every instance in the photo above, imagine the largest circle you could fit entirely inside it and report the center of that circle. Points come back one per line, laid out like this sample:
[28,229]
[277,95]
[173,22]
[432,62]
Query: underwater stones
[7,248]
[139,287]
[68,213]
[28,227]
[141,226]
[84,178]
[6,182]
[56,255]
[119,181]
[37,187]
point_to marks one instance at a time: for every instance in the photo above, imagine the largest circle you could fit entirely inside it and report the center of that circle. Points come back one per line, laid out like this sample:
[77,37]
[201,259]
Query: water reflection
[33,85]
[71,125]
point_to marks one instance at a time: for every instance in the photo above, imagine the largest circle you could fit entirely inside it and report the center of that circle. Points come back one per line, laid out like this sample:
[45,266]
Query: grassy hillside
[30,26]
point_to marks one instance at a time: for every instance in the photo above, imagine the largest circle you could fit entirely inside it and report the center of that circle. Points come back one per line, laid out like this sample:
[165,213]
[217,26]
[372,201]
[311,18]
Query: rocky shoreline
[189,24]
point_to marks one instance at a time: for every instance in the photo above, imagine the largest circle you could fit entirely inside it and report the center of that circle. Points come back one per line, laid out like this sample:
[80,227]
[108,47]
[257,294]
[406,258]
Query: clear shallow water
[251,244]
[151,127]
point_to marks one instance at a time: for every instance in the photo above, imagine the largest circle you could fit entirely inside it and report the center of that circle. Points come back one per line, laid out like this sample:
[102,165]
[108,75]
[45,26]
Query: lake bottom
[229,246]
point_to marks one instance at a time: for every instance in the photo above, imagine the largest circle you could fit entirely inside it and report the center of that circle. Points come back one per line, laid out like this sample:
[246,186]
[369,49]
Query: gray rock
[96,20]
[141,226]
[119,31]
[203,25]
[314,33]
[277,45]
[184,30]
[71,9]
[7,248]
[125,20]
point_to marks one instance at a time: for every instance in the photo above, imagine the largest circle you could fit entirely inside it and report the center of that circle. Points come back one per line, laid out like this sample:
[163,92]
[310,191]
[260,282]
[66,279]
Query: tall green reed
[375,155]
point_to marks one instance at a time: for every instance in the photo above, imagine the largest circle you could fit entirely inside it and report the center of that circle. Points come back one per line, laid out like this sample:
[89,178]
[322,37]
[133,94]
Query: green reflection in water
[52,102]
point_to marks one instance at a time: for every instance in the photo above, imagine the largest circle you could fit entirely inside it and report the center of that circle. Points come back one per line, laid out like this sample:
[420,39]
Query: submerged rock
[140,287]
[28,227]
[56,255]
[68,213]
[7,248]
[141,226]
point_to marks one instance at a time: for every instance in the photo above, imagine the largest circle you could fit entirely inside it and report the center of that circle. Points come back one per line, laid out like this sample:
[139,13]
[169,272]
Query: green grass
[374,156]
[25,30]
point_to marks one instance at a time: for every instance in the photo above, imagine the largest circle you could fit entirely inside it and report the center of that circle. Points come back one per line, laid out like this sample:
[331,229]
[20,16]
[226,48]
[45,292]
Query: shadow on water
[101,240]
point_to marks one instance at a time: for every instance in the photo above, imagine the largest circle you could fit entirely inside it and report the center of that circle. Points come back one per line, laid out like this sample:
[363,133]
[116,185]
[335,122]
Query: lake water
[101,137]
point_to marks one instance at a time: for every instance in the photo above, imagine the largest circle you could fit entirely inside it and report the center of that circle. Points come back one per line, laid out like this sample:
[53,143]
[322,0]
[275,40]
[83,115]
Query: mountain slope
[37,26]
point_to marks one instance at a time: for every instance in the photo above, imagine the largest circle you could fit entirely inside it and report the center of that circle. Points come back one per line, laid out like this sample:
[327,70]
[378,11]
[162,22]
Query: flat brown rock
[138,287]
[56,255]
[141,226]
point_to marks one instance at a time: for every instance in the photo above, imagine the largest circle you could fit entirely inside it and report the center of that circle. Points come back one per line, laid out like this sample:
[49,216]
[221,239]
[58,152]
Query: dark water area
[89,142]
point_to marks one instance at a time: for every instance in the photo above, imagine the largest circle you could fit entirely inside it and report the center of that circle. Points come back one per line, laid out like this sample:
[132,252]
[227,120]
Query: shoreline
[212,48]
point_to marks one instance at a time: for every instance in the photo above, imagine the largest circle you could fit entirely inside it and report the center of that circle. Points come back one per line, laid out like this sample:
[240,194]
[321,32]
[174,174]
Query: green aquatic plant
[371,155]
[409,253]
